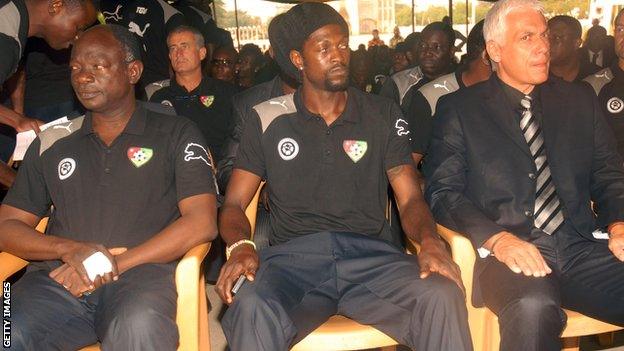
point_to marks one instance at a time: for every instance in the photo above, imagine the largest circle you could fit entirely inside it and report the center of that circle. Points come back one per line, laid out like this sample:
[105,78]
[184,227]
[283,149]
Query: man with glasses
[206,101]
[222,65]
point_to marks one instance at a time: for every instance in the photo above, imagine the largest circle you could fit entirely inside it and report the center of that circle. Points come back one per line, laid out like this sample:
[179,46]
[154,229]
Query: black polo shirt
[13,35]
[421,108]
[209,106]
[608,84]
[119,196]
[151,20]
[324,178]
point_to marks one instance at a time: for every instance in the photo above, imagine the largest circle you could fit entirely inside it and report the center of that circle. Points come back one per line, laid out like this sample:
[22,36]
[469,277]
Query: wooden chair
[192,312]
[484,323]
[339,332]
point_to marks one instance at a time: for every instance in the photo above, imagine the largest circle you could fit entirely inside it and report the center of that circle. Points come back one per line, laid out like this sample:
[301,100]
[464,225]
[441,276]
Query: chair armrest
[251,212]
[463,254]
[10,264]
[189,285]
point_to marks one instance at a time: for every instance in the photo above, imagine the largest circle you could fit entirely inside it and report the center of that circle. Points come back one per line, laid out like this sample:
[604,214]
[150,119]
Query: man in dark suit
[514,164]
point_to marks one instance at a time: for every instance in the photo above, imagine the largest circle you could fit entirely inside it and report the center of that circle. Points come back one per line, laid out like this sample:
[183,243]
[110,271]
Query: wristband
[97,264]
[229,249]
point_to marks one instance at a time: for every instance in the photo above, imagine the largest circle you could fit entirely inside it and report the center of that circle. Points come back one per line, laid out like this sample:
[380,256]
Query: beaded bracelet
[229,249]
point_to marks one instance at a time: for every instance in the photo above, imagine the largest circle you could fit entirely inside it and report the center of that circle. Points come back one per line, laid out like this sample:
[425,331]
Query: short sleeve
[194,166]
[29,191]
[10,57]
[250,155]
[398,139]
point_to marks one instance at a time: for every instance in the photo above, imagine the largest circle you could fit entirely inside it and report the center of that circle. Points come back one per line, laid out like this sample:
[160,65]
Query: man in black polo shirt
[608,84]
[423,105]
[57,23]
[434,53]
[566,61]
[328,153]
[121,176]
[206,101]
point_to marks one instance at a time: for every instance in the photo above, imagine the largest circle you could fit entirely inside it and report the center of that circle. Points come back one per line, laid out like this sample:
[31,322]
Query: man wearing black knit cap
[328,153]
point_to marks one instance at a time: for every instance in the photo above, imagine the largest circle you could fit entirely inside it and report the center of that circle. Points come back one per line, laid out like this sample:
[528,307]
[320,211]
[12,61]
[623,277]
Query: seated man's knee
[138,325]
[249,303]
[535,308]
[443,291]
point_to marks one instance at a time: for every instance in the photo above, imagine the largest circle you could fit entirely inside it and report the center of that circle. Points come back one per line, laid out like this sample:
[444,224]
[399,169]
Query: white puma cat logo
[134,28]
[443,85]
[64,127]
[281,103]
[113,15]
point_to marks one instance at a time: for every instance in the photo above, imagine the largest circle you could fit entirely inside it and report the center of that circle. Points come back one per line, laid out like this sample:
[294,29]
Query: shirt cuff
[483,252]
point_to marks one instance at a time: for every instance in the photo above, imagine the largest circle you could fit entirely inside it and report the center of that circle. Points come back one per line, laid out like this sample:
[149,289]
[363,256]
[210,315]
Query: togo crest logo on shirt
[66,168]
[288,149]
[355,149]
[206,100]
[615,105]
[139,155]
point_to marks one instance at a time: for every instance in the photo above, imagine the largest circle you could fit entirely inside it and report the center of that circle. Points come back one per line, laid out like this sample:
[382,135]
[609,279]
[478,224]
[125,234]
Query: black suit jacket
[479,167]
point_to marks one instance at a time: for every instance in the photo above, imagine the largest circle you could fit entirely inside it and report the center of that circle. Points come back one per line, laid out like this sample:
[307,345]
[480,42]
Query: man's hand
[25,124]
[519,255]
[70,278]
[616,242]
[243,260]
[434,258]
[74,253]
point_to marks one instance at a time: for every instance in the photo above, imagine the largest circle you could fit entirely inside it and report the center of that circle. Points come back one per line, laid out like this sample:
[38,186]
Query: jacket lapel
[502,115]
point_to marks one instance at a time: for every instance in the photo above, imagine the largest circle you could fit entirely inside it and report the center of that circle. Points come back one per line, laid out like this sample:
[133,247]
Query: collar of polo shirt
[135,126]
[350,114]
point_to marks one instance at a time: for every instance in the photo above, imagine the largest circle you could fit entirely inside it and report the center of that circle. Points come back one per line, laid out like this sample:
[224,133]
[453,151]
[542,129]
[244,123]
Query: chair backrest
[252,209]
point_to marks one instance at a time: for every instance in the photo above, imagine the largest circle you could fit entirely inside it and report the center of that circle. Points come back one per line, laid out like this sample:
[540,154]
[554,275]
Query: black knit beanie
[288,31]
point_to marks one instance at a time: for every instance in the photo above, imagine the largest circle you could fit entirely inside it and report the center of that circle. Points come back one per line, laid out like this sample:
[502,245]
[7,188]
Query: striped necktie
[547,214]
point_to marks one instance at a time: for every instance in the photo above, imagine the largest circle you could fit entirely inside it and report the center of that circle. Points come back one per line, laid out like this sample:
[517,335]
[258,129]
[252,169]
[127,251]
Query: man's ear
[297,59]
[202,53]
[55,6]
[135,69]
[578,42]
[493,50]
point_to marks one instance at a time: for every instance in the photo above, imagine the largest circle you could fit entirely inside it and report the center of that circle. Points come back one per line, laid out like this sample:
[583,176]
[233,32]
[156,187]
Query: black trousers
[586,278]
[303,282]
[137,312]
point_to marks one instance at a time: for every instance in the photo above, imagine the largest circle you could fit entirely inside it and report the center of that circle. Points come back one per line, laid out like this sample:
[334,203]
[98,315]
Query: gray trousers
[137,312]
[303,282]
